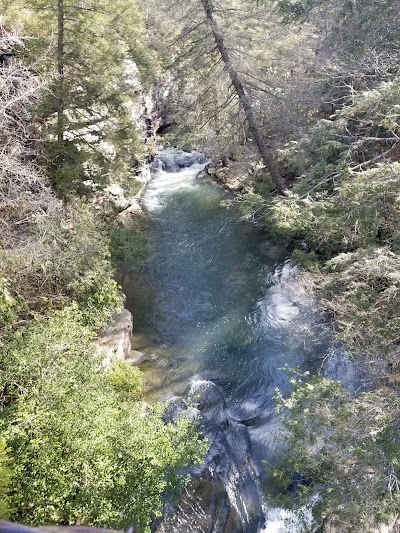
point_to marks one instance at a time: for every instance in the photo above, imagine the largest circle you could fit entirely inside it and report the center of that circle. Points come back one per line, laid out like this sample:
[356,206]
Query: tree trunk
[243,97]
[60,70]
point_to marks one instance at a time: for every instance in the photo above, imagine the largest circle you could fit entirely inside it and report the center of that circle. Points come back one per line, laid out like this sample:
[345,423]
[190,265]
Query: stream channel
[219,311]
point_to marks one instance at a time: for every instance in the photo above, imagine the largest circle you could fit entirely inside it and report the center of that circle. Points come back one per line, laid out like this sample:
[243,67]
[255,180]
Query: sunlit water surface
[219,310]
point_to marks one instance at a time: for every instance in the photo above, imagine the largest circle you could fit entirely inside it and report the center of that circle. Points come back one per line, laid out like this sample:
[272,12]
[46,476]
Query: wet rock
[209,375]
[115,342]
[238,440]
[133,211]
[176,407]
[136,358]
[215,419]
[174,160]
[206,394]
[201,175]
[211,170]
[249,410]
[203,507]
[187,159]
[340,367]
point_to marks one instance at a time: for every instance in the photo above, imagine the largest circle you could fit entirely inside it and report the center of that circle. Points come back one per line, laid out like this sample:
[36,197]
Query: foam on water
[166,183]
[280,520]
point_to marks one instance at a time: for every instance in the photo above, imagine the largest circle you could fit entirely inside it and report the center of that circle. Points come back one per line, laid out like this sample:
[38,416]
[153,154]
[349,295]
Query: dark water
[220,311]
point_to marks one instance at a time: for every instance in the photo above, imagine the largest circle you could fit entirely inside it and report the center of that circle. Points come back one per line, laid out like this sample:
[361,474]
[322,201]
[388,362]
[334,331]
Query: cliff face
[146,111]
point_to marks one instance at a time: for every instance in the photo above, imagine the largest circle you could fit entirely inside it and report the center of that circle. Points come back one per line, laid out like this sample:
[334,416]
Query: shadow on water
[220,312]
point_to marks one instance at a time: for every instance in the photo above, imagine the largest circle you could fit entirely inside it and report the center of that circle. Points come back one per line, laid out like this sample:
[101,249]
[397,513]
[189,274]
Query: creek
[219,310]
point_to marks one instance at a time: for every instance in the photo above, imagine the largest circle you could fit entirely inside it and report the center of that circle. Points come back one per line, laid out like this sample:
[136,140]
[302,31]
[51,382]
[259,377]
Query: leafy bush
[376,111]
[362,289]
[98,298]
[125,378]
[81,446]
[66,258]
[362,211]
[129,242]
[5,474]
[10,306]
[343,448]
[84,450]
[307,260]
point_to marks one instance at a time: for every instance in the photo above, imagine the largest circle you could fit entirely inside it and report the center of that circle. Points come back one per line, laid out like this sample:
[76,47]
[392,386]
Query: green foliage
[5,475]
[344,447]
[345,205]
[376,111]
[362,211]
[99,299]
[362,289]
[64,163]
[307,260]
[357,133]
[129,242]
[9,305]
[67,259]
[84,450]
[125,378]
[289,216]
[357,231]
[358,22]
[106,63]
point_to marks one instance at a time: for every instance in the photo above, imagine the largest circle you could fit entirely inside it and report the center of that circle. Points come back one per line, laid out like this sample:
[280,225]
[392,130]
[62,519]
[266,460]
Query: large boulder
[133,211]
[115,342]
[173,160]
[115,194]
[136,358]
[206,394]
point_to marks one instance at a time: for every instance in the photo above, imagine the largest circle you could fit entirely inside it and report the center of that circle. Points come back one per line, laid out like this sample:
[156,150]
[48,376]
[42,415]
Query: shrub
[84,450]
[5,475]
[129,243]
[342,448]
[307,260]
[125,378]
[10,306]
[65,258]
[362,289]
[362,211]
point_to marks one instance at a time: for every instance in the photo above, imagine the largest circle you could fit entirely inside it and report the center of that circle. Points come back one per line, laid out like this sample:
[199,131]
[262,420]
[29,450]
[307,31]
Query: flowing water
[219,311]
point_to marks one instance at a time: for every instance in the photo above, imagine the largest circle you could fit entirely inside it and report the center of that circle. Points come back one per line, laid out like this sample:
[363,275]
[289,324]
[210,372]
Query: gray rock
[115,341]
[206,394]
[115,194]
[173,160]
[211,171]
[175,408]
[136,358]
[201,175]
[249,410]
[133,211]
[238,439]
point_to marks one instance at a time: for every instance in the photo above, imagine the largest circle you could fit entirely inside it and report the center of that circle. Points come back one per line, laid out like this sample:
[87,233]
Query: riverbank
[78,445]
[357,291]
